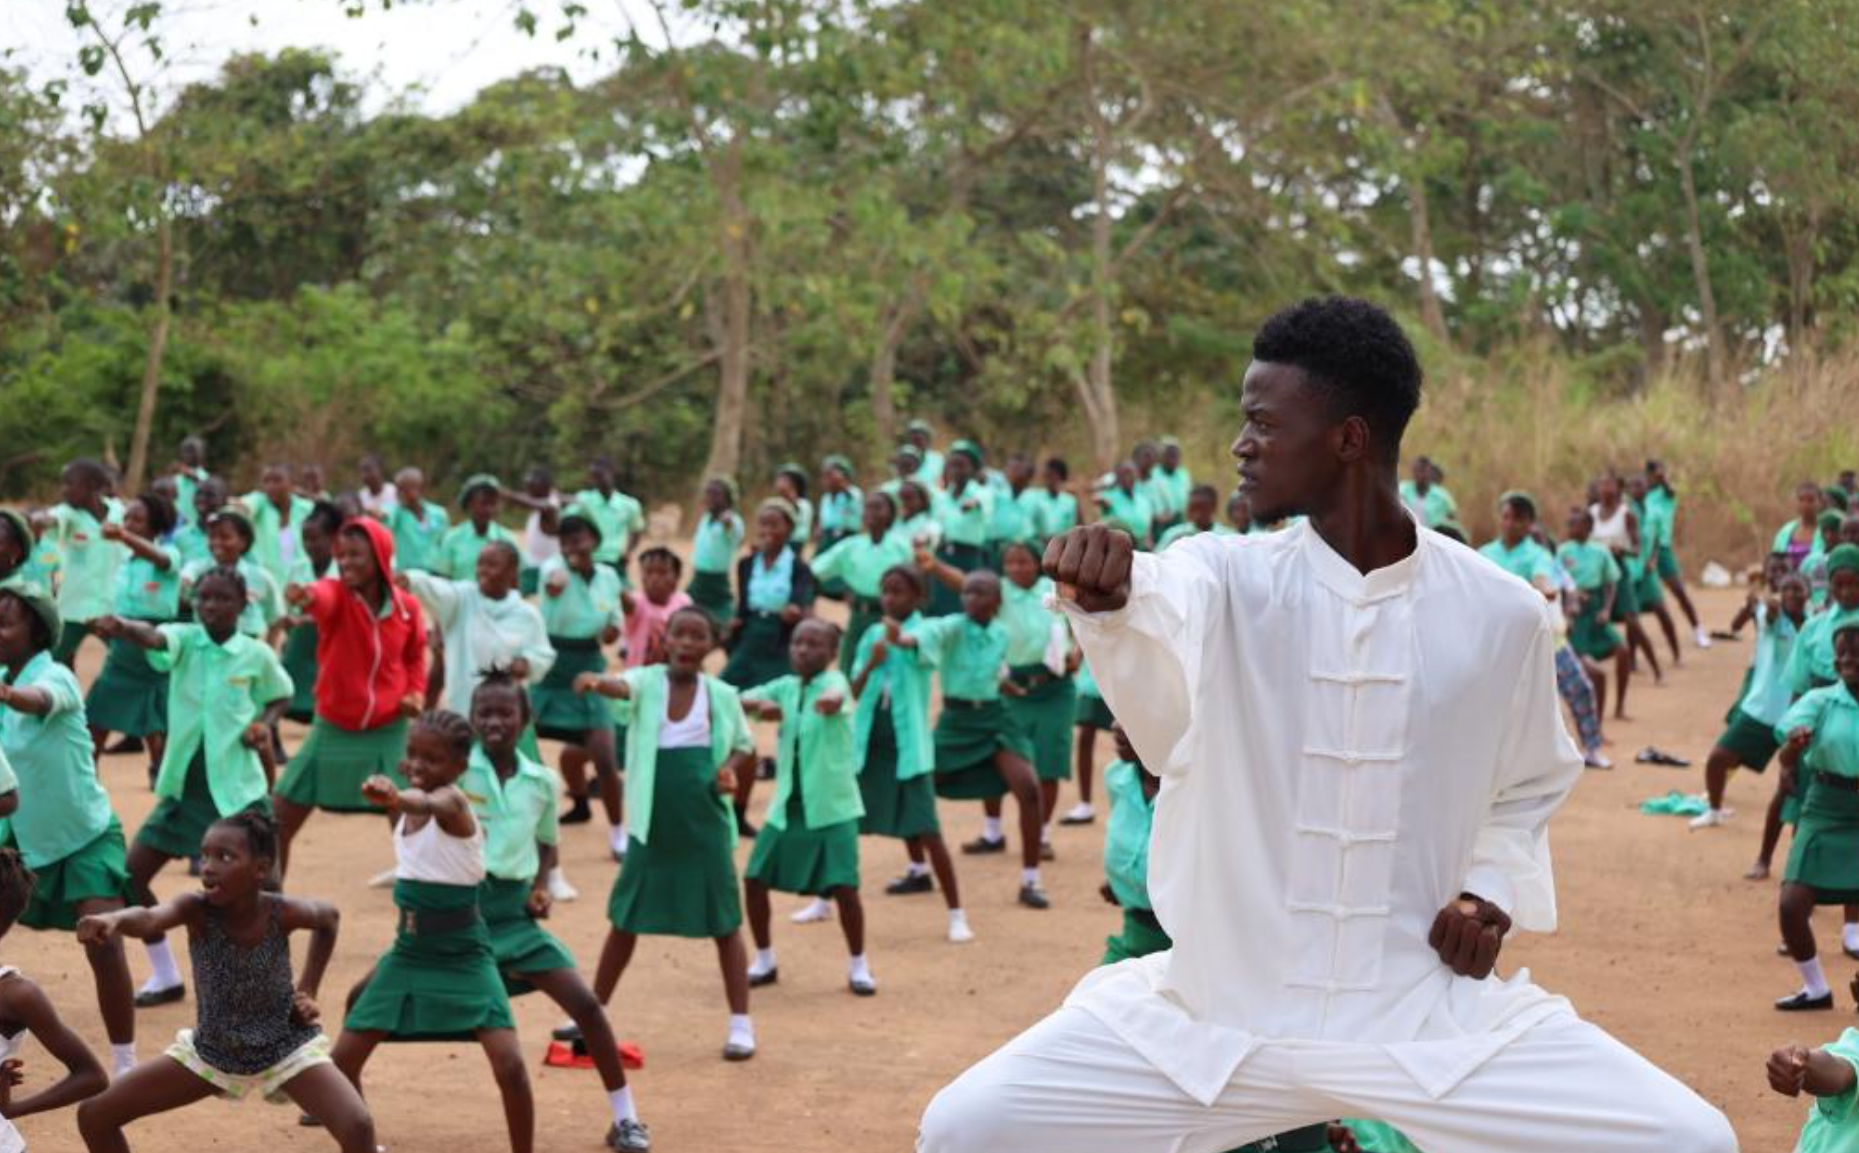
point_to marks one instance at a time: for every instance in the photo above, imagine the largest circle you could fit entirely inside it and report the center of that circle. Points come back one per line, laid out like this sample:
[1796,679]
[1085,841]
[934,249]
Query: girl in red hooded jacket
[371,677]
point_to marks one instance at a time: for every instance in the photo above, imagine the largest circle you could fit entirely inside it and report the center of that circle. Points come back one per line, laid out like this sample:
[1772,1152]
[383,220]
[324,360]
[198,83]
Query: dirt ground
[1661,942]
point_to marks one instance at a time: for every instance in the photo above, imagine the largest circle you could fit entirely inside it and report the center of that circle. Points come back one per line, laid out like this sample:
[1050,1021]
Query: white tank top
[433,855]
[1611,532]
[693,732]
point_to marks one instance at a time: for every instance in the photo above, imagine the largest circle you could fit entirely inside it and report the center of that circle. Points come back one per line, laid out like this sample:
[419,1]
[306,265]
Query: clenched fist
[1094,561]
[1467,935]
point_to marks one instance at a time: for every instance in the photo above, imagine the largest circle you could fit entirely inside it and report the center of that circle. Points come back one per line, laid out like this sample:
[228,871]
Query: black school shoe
[1801,1002]
[568,1032]
[1034,897]
[763,980]
[983,845]
[629,1137]
[911,883]
[579,813]
[149,998]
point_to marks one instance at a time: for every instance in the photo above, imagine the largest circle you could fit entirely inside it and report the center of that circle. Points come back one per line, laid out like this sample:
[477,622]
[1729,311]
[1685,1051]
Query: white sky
[440,52]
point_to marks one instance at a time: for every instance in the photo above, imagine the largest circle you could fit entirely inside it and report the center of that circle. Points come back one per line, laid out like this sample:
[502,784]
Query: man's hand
[1467,934]
[1093,561]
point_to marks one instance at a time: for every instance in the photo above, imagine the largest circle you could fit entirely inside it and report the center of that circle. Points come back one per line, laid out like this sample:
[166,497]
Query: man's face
[1287,447]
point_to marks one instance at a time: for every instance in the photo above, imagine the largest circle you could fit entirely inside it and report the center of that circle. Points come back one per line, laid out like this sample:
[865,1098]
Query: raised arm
[321,920]
[138,921]
[146,549]
[141,634]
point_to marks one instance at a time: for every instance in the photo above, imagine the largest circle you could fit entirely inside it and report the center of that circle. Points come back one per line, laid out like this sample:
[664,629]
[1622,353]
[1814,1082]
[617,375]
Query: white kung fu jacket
[1341,756]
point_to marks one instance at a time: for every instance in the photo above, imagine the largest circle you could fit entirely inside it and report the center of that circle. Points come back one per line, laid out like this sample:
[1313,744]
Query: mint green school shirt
[215,692]
[803,520]
[841,512]
[964,516]
[1590,565]
[969,656]
[516,815]
[191,542]
[1055,512]
[1526,562]
[1661,515]
[1810,662]
[87,563]
[1126,836]
[861,563]
[1832,715]
[1769,693]
[264,599]
[146,592]
[713,549]
[186,484]
[904,679]
[929,473]
[416,539]
[275,544]
[829,793]
[62,805]
[1029,622]
[1006,519]
[1832,1123]
[585,608]
[1434,509]
[617,516]
[1130,511]
[457,556]
[1175,485]
[1161,497]
[1188,528]
[644,713]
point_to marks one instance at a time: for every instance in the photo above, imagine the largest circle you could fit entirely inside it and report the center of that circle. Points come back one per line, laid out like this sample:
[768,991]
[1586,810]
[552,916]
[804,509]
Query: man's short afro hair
[1354,352]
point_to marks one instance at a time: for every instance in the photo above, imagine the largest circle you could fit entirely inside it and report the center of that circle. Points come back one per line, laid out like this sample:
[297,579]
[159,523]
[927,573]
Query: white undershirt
[693,732]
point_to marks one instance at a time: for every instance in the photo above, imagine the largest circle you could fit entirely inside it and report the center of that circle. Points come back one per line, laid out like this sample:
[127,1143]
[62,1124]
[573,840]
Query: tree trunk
[732,401]
[1798,243]
[1097,388]
[157,348]
[1431,314]
[884,362]
[1701,270]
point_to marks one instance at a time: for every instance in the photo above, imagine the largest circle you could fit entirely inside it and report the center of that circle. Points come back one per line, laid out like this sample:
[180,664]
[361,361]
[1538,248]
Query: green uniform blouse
[970,656]
[861,563]
[1526,562]
[964,517]
[1832,1124]
[829,792]
[457,555]
[1126,836]
[906,679]
[87,563]
[269,528]
[1832,715]
[216,692]
[416,539]
[146,592]
[1811,661]
[585,608]
[62,805]
[617,516]
[1590,565]
[713,549]
[1130,511]
[1029,622]
[517,814]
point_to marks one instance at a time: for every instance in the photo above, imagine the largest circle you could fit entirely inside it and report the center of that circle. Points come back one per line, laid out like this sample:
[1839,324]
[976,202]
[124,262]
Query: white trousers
[1071,1085]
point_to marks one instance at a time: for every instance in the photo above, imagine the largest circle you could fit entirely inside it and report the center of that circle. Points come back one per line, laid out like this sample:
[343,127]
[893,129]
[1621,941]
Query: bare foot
[1757,872]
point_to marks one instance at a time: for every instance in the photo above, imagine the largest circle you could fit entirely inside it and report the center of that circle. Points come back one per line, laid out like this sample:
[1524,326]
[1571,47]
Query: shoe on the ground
[629,1136]
[763,980]
[382,880]
[305,1121]
[1709,818]
[1046,853]
[736,1049]
[579,812]
[566,1031]
[1034,897]
[126,745]
[1081,814]
[812,914]
[862,986]
[911,883]
[1703,637]
[984,845]
[149,998]
[560,890]
[1596,760]
[960,933]
[1801,1002]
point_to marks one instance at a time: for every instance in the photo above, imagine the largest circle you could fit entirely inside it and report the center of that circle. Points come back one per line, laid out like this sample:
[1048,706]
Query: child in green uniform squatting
[858,562]
[256,1032]
[60,817]
[686,741]
[129,696]
[980,751]
[1749,740]
[809,844]
[713,552]
[513,798]
[224,692]
[892,739]
[439,980]
[229,545]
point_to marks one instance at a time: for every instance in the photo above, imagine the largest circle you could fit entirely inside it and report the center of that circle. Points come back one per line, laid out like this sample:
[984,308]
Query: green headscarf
[473,483]
[786,508]
[1845,557]
[969,449]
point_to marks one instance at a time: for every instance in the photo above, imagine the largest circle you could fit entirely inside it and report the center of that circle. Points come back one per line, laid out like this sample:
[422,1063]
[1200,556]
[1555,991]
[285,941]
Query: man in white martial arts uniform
[1356,728]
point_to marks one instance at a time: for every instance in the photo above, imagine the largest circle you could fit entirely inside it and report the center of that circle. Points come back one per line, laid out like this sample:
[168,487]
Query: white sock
[859,969]
[919,869]
[622,1101]
[122,1058]
[1849,935]
[616,837]
[764,962]
[166,974]
[1813,982]
[991,828]
[741,1030]
[1029,877]
[1045,834]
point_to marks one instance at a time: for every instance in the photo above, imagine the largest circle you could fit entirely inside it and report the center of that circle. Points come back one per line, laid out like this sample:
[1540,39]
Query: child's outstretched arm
[147,550]
[22,1000]
[1796,1069]
[138,633]
[139,922]
[615,687]
[445,805]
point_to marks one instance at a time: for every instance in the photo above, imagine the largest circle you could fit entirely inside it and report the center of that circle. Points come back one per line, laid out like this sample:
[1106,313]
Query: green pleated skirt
[560,713]
[97,872]
[434,986]
[811,862]
[177,825]
[328,770]
[944,600]
[682,883]
[1092,712]
[128,696]
[1139,938]
[1626,598]
[759,654]
[1752,741]
[1591,636]
[710,592]
[866,612]
[893,808]
[519,943]
[1650,594]
[299,660]
[1825,853]
[1045,714]
[966,741]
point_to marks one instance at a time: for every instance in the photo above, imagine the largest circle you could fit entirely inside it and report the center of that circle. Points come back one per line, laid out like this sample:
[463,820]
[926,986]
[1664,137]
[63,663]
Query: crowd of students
[429,655]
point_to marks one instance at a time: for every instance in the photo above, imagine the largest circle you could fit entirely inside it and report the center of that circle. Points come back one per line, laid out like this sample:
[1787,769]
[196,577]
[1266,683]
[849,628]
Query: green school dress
[1750,731]
[974,725]
[273,531]
[332,763]
[87,565]
[857,564]
[574,619]
[1593,569]
[130,695]
[64,827]
[1810,662]
[758,654]
[264,597]
[1825,853]
[679,877]
[516,815]
[1130,511]
[713,552]
[1046,713]
[892,735]
[1649,593]
[963,519]
[839,517]
[809,843]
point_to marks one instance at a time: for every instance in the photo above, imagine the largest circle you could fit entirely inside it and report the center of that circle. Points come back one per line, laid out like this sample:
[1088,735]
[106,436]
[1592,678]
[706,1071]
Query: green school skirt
[299,660]
[759,654]
[682,884]
[1668,563]
[1752,741]
[1651,595]
[97,872]
[967,557]
[1092,712]
[866,612]
[128,696]
[529,580]
[1045,715]
[561,714]
[1626,599]
[519,943]
[178,824]
[434,986]
[893,808]
[811,862]
[1825,853]
[69,638]
[967,737]
[328,770]
[1591,636]
[1140,937]
[710,592]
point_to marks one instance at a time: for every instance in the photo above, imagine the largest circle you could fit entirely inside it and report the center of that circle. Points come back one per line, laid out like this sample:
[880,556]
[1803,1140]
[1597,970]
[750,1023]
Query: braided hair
[499,677]
[452,728]
[226,573]
[260,831]
[16,884]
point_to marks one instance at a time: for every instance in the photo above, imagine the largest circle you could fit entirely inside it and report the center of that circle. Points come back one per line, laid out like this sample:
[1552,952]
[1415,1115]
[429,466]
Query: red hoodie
[366,664]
